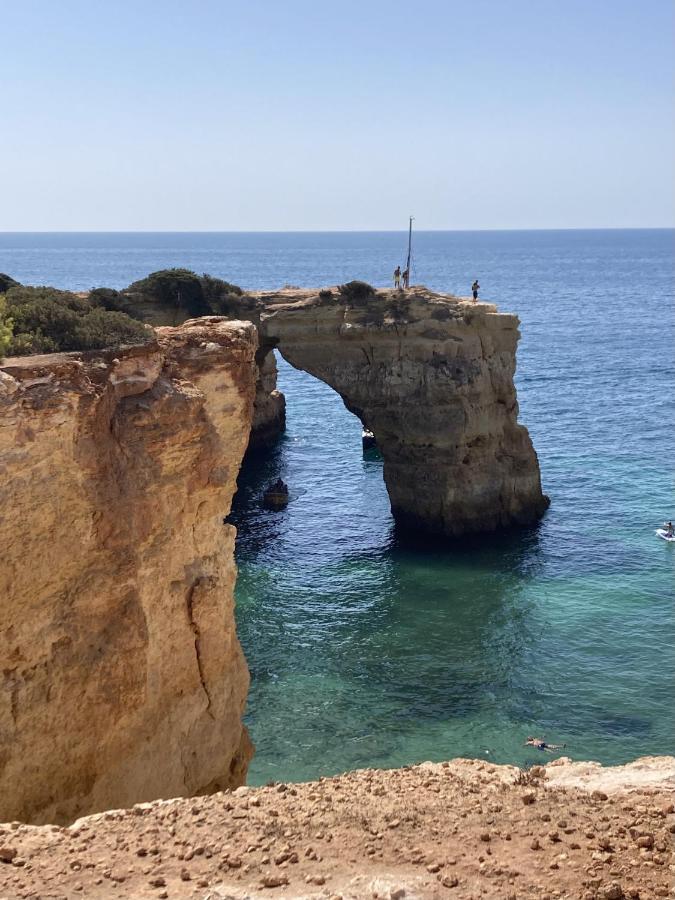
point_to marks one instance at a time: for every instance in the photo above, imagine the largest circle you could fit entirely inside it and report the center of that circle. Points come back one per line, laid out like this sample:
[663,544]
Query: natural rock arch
[432,377]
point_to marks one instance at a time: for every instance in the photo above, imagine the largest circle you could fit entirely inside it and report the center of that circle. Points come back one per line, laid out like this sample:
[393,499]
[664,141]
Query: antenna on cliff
[407,265]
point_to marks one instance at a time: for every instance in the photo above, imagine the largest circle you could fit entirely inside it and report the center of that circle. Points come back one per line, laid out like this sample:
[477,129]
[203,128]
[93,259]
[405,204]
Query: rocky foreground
[464,829]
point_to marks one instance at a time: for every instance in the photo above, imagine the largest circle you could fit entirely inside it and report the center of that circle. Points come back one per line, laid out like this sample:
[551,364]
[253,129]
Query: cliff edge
[122,675]
[461,829]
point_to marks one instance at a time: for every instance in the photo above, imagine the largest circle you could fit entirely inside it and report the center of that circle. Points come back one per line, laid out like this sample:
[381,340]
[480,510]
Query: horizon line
[332,230]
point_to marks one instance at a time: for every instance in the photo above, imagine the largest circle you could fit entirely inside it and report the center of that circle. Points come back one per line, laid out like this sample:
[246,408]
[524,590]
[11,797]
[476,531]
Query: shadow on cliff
[257,526]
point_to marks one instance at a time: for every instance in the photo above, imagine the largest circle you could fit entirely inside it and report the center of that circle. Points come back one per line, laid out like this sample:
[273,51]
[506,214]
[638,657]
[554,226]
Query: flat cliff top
[459,830]
[414,299]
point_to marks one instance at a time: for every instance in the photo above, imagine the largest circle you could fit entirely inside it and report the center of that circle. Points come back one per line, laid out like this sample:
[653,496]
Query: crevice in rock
[197,635]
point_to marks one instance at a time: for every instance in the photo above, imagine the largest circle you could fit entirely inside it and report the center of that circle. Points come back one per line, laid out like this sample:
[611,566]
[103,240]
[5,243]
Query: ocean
[366,650]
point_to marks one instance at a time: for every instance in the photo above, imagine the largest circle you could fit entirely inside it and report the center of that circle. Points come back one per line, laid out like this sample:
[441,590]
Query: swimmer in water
[543,745]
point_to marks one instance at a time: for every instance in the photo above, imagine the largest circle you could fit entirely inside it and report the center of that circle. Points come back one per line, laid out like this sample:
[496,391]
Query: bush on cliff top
[46,320]
[357,293]
[6,326]
[179,291]
[110,299]
[6,282]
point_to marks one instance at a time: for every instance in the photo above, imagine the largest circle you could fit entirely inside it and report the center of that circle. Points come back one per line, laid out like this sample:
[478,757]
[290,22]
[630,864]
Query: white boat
[662,533]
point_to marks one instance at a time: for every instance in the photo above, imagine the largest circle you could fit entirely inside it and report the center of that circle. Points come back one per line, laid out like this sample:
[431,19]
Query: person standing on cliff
[475,287]
[406,278]
[397,277]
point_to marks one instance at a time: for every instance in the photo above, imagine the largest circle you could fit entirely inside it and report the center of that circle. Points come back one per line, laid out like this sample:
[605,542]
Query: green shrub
[357,293]
[6,327]
[326,294]
[6,282]
[46,320]
[177,289]
[181,292]
[397,310]
[109,298]
[220,297]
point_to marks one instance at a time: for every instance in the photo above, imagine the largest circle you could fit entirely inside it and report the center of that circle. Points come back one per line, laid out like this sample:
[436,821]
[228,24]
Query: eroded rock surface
[269,409]
[432,376]
[460,829]
[122,675]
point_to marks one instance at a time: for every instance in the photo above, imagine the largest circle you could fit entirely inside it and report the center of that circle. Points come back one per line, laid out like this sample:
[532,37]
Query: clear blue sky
[262,114]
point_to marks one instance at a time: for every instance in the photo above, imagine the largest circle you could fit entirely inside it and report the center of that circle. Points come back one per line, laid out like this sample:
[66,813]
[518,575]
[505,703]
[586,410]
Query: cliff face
[269,408]
[122,675]
[432,376]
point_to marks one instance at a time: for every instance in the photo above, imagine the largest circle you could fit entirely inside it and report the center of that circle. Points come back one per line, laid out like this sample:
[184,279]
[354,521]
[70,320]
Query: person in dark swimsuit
[475,287]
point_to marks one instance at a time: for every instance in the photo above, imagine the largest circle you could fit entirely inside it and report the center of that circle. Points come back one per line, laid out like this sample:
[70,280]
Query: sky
[265,115]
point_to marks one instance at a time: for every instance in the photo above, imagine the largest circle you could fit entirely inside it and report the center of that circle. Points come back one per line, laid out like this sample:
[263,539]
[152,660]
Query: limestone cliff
[432,376]
[269,408]
[122,675]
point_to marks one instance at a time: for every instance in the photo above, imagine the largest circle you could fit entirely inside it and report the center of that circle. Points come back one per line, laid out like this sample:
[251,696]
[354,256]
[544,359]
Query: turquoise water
[365,650]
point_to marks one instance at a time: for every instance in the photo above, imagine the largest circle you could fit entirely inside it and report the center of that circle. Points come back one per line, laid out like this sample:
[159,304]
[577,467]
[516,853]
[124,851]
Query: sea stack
[123,678]
[431,375]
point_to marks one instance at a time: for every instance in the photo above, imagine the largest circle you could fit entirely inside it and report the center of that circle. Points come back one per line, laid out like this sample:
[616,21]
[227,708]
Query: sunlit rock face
[122,676]
[269,408]
[432,376]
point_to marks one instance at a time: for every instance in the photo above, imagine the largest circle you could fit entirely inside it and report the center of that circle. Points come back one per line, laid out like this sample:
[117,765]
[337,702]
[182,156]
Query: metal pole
[407,265]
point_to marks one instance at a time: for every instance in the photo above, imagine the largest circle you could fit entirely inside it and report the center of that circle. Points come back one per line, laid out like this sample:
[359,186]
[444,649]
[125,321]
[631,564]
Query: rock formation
[431,376]
[122,675]
[269,408]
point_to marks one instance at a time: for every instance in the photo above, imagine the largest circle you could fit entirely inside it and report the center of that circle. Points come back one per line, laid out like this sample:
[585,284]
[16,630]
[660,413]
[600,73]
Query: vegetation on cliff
[176,293]
[356,293]
[6,282]
[5,327]
[6,324]
[46,320]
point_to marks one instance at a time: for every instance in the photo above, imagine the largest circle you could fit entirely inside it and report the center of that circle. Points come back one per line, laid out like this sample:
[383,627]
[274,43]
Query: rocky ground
[464,829]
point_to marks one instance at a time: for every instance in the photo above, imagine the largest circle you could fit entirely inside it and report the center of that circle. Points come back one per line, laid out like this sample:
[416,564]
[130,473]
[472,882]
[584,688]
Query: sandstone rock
[269,408]
[272,881]
[432,377]
[123,676]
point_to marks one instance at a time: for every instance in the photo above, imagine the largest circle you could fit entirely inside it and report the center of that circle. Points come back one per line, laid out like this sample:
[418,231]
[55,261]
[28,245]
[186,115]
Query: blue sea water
[365,650]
